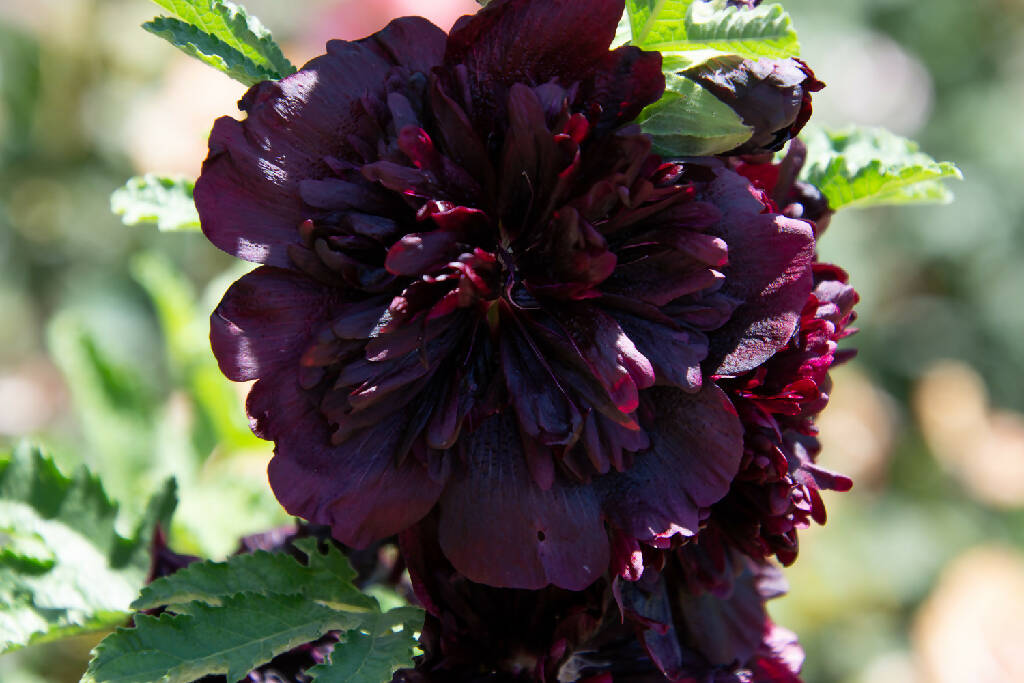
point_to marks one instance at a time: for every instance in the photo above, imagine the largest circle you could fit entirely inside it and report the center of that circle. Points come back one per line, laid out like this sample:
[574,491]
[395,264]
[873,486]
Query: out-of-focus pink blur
[350,20]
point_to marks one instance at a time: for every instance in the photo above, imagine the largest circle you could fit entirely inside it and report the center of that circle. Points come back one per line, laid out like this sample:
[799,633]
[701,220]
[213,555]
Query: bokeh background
[919,575]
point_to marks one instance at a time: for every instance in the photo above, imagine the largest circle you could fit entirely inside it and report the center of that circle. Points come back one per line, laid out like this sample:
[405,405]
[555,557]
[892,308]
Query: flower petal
[524,41]
[769,270]
[498,527]
[265,320]
[629,79]
[545,411]
[413,42]
[675,353]
[357,487]
[247,196]
[696,446]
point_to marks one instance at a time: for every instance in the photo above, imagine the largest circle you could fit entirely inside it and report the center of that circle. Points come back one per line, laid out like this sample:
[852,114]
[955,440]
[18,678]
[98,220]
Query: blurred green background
[919,574]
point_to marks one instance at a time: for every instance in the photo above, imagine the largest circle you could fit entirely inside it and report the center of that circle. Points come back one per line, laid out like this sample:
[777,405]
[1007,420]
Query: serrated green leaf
[232,25]
[864,167]
[680,27]
[156,199]
[690,121]
[210,50]
[238,635]
[231,617]
[385,643]
[64,569]
[326,579]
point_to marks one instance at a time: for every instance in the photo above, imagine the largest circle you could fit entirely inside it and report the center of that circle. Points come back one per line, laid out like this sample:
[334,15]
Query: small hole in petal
[540,536]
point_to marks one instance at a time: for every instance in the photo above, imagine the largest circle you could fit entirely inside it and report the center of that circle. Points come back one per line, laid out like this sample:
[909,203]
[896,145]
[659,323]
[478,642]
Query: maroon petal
[545,411]
[524,41]
[608,353]
[769,270]
[265,320]
[675,353]
[498,527]
[422,252]
[359,487]
[696,446]
[629,79]
[649,606]
[661,278]
[247,195]
[412,42]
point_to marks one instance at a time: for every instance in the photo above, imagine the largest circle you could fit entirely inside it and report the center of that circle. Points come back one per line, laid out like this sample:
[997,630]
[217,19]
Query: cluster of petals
[481,292]
[489,319]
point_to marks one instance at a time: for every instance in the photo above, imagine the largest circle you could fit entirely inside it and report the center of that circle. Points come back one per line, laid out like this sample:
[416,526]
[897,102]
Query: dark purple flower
[795,198]
[771,96]
[481,292]
[614,631]
[777,490]
[696,635]
[475,633]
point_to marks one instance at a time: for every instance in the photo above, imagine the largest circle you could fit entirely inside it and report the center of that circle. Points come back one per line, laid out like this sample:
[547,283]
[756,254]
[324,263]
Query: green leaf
[210,50]
[251,54]
[679,27]
[864,167]
[64,568]
[327,579]
[623,32]
[231,617]
[385,643]
[238,635]
[156,199]
[690,121]
[114,401]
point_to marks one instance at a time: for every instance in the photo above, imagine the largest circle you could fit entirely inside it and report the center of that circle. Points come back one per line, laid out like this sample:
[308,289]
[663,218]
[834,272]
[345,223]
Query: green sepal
[689,121]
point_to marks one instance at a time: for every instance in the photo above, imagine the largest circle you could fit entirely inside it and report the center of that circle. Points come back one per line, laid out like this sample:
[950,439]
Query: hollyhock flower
[771,96]
[614,631]
[695,635]
[474,632]
[777,490]
[480,292]
[664,624]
